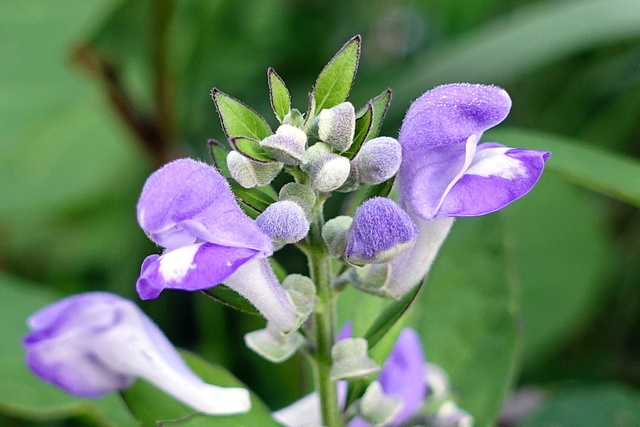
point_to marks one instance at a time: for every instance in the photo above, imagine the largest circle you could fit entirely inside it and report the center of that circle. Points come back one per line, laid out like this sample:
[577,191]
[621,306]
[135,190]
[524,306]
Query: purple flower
[443,172]
[95,343]
[188,208]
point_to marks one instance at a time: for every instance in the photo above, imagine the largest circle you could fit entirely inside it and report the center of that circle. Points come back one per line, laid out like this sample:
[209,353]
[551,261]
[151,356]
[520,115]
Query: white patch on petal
[175,264]
[494,162]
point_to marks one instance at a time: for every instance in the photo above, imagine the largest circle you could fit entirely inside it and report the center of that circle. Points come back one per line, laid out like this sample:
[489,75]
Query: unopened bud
[380,231]
[287,145]
[327,171]
[336,126]
[284,222]
[303,195]
[334,234]
[293,118]
[378,160]
[377,408]
[251,174]
[351,361]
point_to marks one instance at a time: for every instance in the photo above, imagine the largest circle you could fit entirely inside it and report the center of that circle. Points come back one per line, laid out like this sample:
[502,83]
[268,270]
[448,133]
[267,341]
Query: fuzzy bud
[284,222]
[251,174]
[351,361]
[303,195]
[378,160]
[327,171]
[334,234]
[336,126]
[380,231]
[287,145]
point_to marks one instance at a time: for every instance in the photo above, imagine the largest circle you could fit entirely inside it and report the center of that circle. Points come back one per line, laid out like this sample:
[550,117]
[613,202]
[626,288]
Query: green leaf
[364,119]
[22,394]
[253,198]
[230,298]
[219,157]
[381,105]
[154,407]
[278,95]
[607,173]
[336,78]
[250,148]
[530,37]
[467,314]
[238,119]
[598,405]
[389,317]
[561,249]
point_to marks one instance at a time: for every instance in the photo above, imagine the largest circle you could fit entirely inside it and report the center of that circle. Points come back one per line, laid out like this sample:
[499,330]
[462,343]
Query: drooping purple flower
[95,343]
[188,208]
[443,172]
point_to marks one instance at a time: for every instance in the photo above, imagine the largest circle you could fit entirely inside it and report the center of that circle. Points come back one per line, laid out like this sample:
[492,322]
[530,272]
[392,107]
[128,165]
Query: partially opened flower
[445,173]
[188,208]
[95,343]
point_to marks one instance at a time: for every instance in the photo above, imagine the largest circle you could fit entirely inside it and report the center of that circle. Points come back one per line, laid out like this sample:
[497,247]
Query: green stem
[163,84]
[325,320]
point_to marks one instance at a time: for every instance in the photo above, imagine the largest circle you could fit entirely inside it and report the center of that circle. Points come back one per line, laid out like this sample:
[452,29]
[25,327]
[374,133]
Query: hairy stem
[325,319]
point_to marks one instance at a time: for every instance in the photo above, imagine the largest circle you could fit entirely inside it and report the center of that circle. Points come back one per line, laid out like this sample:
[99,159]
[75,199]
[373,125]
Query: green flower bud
[335,233]
[351,361]
[251,174]
[327,171]
[303,195]
[337,125]
[287,145]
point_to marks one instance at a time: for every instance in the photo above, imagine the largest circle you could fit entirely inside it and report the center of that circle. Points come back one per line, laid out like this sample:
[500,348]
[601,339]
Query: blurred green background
[541,299]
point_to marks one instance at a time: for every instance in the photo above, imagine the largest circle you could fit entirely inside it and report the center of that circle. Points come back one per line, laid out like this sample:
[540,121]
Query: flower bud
[294,118]
[378,160]
[377,408]
[450,415]
[334,234]
[287,145]
[284,222]
[327,171]
[380,231]
[251,174]
[336,126]
[351,361]
[303,195]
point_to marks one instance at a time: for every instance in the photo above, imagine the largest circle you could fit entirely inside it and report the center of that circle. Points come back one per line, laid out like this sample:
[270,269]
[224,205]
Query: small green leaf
[364,119]
[238,119]
[336,78]
[254,200]
[219,157]
[155,408]
[388,318]
[278,95]
[311,112]
[230,298]
[380,107]
[250,148]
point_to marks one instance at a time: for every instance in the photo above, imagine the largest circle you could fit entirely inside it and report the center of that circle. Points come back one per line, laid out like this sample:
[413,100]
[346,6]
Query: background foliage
[541,298]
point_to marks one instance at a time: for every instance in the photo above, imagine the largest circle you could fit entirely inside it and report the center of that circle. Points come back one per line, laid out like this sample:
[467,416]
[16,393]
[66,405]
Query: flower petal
[190,268]
[497,176]
[402,375]
[95,343]
[438,139]
[187,200]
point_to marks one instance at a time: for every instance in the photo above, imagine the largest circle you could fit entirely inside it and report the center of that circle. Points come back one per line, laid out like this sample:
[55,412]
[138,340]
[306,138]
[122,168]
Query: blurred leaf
[21,392]
[610,174]
[611,405]
[561,249]
[336,78]
[250,148]
[527,38]
[238,119]
[278,95]
[466,315]
[152,406]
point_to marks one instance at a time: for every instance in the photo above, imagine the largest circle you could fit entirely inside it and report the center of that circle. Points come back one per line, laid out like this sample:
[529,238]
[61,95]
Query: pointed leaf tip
[237,118]
[279,96]
[336,78]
